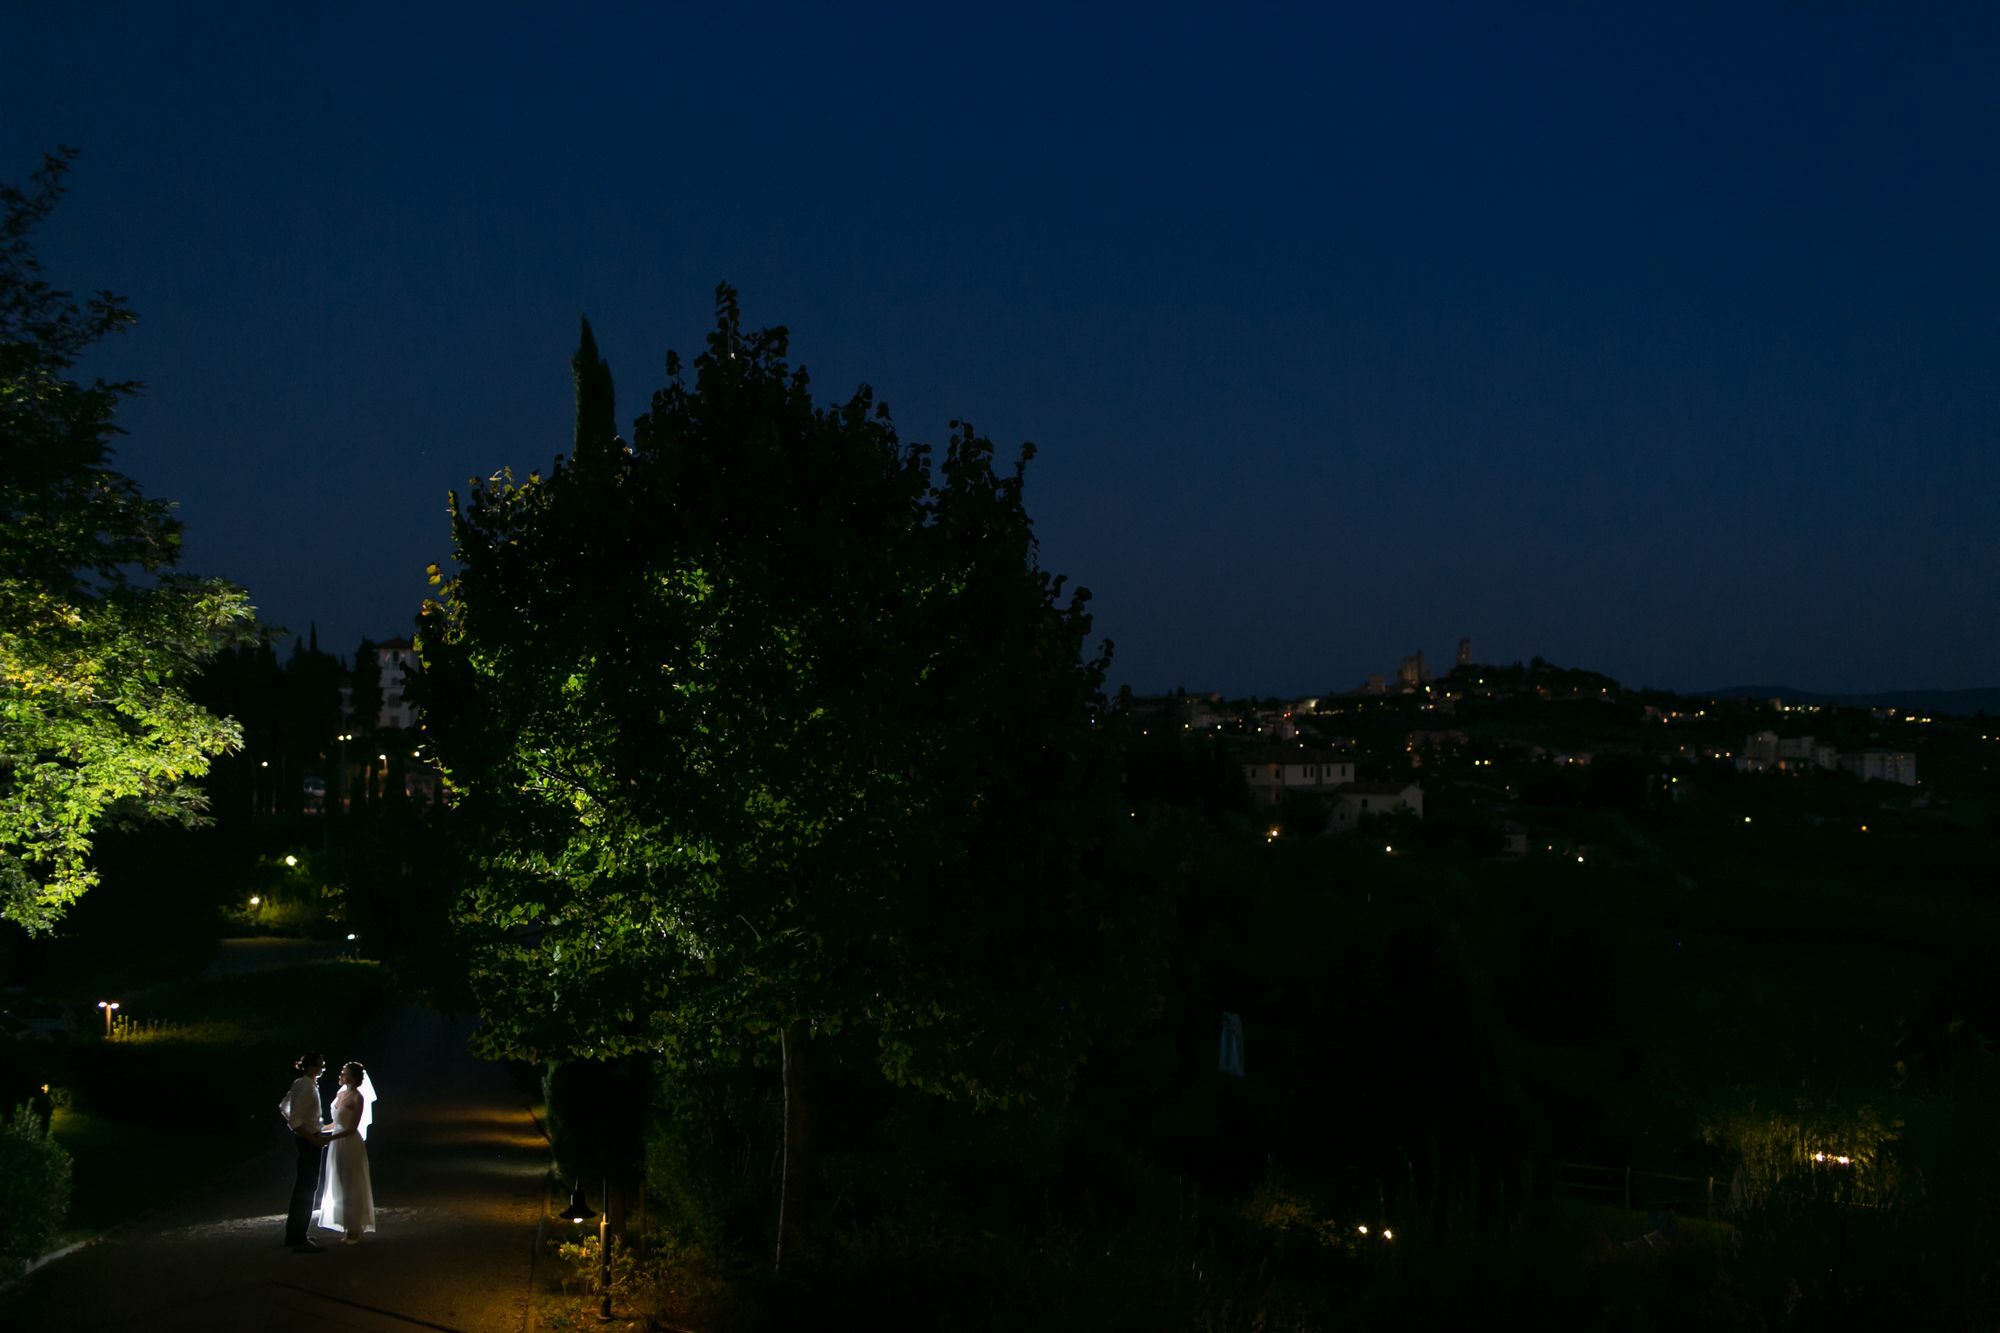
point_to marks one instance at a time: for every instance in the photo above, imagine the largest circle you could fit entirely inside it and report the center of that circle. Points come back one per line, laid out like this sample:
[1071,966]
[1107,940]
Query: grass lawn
[125,1168]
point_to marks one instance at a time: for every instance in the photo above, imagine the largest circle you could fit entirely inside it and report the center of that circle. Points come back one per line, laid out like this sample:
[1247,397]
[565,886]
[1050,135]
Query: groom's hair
[308,1060]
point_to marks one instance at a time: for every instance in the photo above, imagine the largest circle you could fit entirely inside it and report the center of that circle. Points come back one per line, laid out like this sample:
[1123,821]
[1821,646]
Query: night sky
[1664,346]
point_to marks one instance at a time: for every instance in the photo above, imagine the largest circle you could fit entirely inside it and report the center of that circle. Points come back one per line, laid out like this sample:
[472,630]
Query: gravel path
[457,1165]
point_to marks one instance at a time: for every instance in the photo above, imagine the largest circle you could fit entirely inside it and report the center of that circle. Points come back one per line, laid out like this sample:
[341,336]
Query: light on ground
[291,860]
[255,900]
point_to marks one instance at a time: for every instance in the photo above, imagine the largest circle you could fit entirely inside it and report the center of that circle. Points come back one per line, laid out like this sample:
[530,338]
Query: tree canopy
[97,628]
[767,720]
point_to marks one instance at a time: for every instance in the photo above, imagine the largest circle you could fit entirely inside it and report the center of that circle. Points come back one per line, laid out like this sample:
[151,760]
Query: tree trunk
[798,1143]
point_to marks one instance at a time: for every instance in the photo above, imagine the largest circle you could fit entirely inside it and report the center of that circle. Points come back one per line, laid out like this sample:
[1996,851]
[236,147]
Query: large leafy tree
[770,728]
[97,629]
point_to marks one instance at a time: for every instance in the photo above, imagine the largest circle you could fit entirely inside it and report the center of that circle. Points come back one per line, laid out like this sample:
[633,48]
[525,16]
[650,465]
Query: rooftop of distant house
[1289,754]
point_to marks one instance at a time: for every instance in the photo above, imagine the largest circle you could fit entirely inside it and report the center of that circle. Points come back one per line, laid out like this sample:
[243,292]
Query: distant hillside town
[1493,745]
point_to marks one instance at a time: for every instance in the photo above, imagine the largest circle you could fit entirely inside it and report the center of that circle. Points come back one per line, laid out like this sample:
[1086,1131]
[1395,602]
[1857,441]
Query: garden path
[458,1166]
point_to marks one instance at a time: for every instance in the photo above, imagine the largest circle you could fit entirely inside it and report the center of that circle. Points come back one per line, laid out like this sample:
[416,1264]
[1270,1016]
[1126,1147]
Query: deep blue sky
[1666,345]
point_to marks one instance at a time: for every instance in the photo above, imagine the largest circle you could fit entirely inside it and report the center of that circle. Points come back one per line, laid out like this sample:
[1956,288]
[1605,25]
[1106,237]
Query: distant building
[1465,652]
[1796,752]
[1766,750]
[1273,770]
[1203,713]
[421,784]
[1360,800]
[395,659]
[1411,674]
[1419,743]
[1882,766]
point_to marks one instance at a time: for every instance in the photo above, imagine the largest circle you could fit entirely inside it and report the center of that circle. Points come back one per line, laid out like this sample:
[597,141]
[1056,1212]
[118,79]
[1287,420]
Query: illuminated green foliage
[97,631]
[763,722]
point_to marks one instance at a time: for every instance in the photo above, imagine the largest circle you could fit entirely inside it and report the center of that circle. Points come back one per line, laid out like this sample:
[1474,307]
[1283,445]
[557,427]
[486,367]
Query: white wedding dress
[348,1204]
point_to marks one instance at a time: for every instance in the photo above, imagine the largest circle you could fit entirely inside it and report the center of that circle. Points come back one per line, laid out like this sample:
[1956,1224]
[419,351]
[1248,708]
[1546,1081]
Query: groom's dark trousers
[303,1190]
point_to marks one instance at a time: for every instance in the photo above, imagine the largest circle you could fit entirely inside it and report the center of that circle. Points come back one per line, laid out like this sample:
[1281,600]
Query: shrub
[34,1188]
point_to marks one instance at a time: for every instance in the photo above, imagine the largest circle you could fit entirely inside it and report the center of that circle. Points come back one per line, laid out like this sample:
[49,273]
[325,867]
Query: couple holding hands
[349,1203]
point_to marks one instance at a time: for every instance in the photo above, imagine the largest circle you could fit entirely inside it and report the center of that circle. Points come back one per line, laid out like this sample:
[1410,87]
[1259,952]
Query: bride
[349,1202]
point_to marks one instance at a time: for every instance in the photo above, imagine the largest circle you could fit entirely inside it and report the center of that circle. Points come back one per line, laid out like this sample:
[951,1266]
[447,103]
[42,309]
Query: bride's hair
[308,1060]
[357,1067]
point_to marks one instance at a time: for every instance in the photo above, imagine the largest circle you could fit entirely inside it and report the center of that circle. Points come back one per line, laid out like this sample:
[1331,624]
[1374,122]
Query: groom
[301,1111]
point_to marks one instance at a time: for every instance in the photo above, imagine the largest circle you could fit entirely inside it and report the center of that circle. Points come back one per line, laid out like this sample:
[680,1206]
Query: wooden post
[797,1142]
[1711,1196]
[1628,1189]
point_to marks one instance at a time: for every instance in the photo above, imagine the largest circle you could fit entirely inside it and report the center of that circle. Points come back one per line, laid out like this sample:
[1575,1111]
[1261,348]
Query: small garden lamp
[579,1211]
[109,1007]
[579,1207]
[291,862]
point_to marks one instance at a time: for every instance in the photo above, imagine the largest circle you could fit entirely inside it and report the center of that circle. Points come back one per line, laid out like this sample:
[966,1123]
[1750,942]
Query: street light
[579,1211]
[109,1007]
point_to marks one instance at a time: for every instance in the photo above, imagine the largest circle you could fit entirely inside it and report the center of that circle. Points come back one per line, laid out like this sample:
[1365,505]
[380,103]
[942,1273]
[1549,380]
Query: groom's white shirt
[300,1106]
